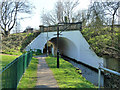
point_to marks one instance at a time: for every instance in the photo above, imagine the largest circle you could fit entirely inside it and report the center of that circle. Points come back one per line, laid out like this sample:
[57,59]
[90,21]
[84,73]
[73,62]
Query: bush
[15,43]
[101,41]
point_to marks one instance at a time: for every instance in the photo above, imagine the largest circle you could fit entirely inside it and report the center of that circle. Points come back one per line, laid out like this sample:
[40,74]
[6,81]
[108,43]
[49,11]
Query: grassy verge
[29,78]
[13,53]
[6,59]
[66,75]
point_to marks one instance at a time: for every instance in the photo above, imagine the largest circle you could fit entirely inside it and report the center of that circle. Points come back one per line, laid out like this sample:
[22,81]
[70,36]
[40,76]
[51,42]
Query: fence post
[28,58]
[23,63]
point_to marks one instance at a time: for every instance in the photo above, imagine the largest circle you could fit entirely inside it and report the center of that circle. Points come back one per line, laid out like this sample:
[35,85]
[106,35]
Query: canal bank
[108,80]
[88,72]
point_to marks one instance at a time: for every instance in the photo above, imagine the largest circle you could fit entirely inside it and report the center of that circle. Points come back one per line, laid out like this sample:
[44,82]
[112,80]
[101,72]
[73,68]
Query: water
[88,73]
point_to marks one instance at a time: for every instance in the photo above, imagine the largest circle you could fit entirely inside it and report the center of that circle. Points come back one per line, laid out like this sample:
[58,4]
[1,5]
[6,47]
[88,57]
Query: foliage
[101,41]
[12,44]
[15,43]
[28,39]
[29,79]
[66,75]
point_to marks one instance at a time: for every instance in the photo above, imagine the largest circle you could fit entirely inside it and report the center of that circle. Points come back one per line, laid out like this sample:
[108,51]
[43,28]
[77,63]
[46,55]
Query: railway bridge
[71,43]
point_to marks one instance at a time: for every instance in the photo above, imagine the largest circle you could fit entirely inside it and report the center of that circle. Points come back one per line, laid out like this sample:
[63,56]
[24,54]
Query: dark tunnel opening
[66,47]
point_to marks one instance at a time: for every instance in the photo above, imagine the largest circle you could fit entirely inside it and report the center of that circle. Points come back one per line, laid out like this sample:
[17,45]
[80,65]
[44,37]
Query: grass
[6,59]
[13,53]
[29,78]
[66,75]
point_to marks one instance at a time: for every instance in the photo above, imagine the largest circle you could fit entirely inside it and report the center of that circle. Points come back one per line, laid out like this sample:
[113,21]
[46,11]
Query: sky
[34,21]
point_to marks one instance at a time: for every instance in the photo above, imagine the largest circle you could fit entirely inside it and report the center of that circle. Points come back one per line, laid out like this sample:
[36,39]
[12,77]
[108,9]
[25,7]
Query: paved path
[45,75]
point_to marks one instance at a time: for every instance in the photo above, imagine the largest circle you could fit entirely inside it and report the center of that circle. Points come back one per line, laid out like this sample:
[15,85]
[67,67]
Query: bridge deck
[67,27]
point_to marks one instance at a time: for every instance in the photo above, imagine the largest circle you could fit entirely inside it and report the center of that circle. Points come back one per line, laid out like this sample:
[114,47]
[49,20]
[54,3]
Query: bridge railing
[12,73]
[52,28]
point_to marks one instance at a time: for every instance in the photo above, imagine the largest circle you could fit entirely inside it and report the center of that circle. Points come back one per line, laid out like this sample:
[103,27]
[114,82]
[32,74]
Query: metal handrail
[106,69]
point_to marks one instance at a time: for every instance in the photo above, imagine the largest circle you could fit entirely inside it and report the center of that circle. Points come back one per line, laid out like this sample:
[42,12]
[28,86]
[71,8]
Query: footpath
[45,75]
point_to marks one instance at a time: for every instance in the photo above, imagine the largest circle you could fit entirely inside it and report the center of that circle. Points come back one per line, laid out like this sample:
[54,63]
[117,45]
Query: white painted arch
[66,46]
[71,44]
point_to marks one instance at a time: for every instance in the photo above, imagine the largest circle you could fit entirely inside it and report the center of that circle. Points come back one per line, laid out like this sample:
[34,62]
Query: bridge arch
[65,46]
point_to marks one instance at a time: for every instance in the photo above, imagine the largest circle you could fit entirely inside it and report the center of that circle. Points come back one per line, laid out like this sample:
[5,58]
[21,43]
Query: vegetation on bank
[102,41]
[14,44]
[66,75]
[29,78]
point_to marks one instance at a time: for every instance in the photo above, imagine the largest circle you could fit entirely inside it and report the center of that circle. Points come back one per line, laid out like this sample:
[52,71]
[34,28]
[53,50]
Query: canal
[89,73]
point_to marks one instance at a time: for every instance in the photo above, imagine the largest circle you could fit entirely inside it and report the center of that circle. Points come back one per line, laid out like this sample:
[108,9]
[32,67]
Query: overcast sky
[34,21]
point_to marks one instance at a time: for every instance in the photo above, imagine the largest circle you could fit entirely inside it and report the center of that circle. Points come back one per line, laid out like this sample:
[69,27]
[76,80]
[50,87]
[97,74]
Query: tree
[99,13]
[63,9]
[81,16]
[111,9]
[102,11]
[8,13]
[96,13]
[95,19]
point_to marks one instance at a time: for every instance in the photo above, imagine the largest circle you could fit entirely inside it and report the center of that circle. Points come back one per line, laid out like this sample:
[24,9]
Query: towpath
[45,75]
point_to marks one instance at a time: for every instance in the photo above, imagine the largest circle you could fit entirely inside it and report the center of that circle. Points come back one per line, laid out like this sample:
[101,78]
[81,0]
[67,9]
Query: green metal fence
[12,73]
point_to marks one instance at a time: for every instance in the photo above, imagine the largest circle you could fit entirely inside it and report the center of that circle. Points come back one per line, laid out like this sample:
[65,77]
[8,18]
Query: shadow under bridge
[66,47]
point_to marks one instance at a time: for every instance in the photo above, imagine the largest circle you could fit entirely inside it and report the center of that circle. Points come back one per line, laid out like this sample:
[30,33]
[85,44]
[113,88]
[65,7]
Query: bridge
[71,43]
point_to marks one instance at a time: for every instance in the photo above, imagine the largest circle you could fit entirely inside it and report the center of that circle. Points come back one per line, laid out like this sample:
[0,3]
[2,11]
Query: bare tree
[59,11]
[8,14]
[96,13]
[81,16]
[103,11]
[111,9]
[69,7]
[63,8]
